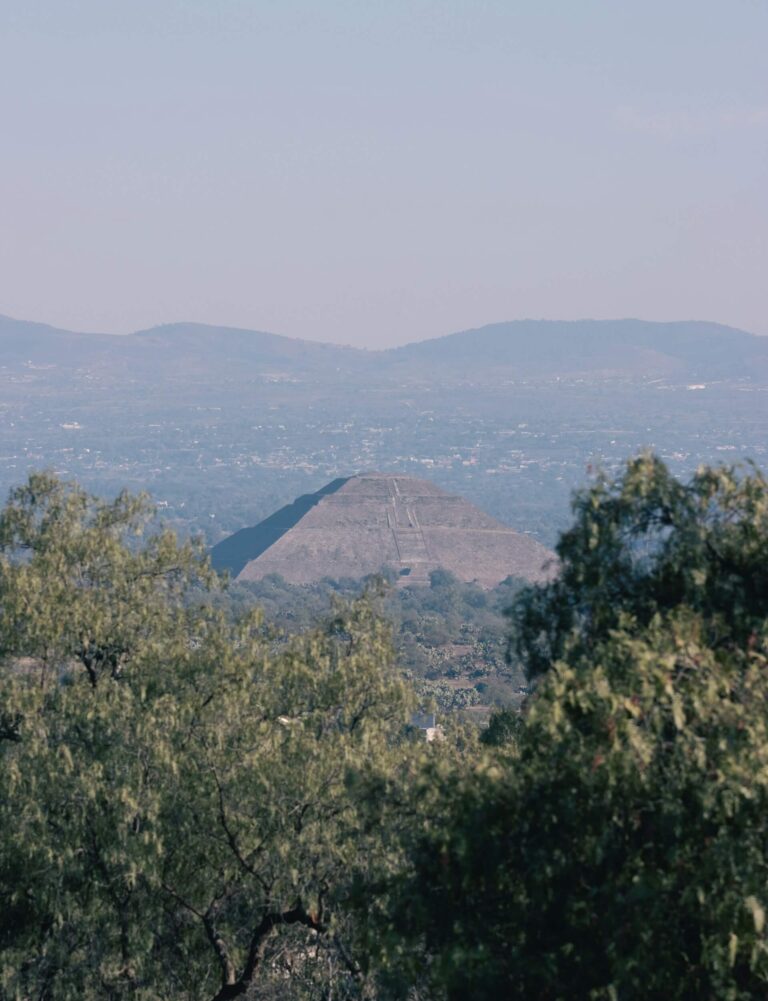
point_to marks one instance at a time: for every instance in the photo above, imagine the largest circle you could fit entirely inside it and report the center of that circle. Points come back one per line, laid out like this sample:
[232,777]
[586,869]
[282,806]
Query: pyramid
[358,526]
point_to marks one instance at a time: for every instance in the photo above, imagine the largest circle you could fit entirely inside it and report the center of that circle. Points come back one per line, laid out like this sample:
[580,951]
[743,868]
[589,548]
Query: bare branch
[259,939]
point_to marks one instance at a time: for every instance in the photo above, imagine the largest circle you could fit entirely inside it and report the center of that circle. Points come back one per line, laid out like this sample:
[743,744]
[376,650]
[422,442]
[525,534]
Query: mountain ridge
[505,350]
[546,345]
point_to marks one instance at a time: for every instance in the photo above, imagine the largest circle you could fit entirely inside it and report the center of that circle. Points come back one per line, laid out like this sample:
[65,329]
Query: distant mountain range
[596,347]
[168,348]
[524,349]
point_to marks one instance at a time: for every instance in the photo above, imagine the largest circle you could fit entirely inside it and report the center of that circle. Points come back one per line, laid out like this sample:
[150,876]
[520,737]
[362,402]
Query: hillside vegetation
[450,638]
[193,807]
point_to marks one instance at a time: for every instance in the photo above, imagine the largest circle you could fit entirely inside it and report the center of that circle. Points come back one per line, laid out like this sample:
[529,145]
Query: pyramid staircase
[415,561]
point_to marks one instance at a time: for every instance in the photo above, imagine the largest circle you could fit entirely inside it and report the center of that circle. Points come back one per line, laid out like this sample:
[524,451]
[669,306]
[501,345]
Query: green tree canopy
[82,580]
[177,816]
[614,848]
[645,544]
[190,809]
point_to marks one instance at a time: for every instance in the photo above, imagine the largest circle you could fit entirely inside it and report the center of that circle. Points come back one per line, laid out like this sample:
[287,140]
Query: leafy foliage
[193,808]
[646,544]
[615,847]
[450,637]
[175,813]
[77,585]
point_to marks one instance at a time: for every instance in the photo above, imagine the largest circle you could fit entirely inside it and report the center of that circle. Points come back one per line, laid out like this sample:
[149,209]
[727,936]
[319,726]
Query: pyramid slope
[234,552]
[358,526]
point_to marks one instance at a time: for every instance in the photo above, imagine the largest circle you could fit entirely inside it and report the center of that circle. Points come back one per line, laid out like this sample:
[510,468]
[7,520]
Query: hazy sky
[378,171]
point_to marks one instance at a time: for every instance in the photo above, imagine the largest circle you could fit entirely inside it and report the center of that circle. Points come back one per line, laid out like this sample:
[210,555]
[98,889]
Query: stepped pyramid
[358,526]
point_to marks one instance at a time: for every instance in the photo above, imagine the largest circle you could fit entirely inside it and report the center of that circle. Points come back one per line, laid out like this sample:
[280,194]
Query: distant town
[216,458]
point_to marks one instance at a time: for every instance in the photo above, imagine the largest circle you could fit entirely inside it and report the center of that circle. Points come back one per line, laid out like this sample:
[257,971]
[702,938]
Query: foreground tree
[615,846]
[177,818]
[646,544]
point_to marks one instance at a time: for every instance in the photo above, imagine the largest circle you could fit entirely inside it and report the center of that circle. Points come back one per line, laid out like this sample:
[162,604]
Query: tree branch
[259,939]
[231,836]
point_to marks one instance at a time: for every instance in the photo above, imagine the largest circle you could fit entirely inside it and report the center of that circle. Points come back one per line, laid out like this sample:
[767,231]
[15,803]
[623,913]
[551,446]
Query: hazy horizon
[376,176]
[399,343]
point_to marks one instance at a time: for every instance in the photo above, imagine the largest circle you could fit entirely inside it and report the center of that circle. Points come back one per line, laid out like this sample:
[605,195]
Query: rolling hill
[626,348]
[171,351]
[525,349]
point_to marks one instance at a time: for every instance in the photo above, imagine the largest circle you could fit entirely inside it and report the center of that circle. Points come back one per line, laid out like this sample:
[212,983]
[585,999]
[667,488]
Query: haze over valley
[225,426]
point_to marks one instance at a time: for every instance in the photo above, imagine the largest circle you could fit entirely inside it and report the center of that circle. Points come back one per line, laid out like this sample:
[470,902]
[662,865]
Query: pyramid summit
[360,525]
